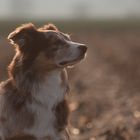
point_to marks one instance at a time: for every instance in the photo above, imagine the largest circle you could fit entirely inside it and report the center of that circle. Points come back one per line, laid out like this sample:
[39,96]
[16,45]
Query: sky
[67,9]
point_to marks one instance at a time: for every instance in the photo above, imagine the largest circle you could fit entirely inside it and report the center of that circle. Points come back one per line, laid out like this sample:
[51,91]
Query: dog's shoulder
[11,96]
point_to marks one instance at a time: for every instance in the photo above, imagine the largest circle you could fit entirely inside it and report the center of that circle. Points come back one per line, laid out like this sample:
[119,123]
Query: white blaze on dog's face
[66,52]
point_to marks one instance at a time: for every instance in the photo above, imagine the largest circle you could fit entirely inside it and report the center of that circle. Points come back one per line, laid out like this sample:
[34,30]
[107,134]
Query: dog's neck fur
[52,89]
[33,77]
[52,84]
[48,94]
[47,91]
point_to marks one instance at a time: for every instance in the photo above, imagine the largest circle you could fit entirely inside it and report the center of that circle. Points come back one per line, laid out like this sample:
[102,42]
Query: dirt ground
[105,91]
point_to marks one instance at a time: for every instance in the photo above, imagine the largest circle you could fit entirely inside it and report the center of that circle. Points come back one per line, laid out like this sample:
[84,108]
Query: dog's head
[46,45]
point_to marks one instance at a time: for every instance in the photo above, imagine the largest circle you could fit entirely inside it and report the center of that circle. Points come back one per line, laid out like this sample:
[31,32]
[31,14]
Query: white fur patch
[50,91]
[48,94]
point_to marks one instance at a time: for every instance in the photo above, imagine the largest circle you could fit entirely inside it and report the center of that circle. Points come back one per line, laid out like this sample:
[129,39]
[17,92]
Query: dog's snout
[83,47]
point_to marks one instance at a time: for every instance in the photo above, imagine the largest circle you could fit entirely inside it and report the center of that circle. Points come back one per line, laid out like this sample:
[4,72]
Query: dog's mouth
[72,62]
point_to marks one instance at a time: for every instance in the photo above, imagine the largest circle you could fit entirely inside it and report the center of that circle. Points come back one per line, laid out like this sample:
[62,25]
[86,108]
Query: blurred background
[105,87]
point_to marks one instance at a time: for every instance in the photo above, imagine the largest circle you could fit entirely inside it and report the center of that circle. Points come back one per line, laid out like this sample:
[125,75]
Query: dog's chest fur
[46,97]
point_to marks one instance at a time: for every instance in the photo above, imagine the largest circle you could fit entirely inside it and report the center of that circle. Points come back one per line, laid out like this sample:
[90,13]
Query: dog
[33,99]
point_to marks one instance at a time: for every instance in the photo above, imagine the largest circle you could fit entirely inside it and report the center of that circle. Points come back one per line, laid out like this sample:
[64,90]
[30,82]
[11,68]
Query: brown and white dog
[33,100]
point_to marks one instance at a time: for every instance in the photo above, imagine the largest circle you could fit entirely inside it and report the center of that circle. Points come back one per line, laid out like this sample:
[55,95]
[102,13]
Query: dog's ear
[49,27]
[21,34]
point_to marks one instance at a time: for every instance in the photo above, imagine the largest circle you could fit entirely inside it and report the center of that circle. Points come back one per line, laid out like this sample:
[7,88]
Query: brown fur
[34,59]
[61,112]
[49,27]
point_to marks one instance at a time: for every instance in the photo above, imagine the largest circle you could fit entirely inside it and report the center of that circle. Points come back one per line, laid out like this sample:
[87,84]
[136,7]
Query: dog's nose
[83,47]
